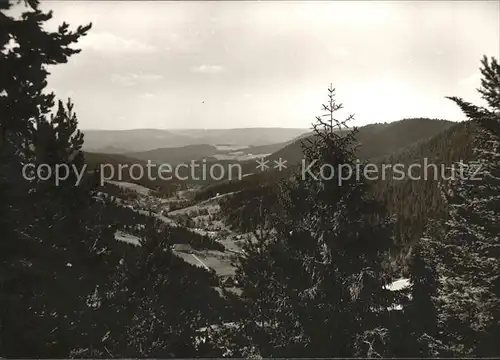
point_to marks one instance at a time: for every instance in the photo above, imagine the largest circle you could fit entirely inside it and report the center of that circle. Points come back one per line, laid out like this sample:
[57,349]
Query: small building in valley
[185,248]
[228,281]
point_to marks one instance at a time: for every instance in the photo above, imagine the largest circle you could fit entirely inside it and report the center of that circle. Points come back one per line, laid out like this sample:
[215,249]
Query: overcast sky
[268,64]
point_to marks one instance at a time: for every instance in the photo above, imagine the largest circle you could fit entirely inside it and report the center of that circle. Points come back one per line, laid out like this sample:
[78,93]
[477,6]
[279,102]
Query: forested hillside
[117,167]
[375,141]
[413,201]
[274,265]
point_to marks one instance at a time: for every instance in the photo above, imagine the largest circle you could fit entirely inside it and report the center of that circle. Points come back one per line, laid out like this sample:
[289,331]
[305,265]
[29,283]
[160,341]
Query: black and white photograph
[249,179]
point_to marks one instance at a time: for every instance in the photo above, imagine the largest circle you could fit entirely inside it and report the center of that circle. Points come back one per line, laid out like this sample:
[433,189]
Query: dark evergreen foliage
[67,287]
[459,281]
[313,277]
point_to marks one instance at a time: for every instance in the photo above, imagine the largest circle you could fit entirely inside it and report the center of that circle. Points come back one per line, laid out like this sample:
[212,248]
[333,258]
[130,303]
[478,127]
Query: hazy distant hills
[175,155]
[127,141]
[222,145]
[376,141]
[184,154]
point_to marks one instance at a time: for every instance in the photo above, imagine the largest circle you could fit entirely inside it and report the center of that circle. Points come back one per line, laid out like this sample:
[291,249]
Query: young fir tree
[315,286]
[469,293]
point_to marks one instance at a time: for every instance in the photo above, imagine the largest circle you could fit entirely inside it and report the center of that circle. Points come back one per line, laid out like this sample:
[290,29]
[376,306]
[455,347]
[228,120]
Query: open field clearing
[131,186]
[131,239]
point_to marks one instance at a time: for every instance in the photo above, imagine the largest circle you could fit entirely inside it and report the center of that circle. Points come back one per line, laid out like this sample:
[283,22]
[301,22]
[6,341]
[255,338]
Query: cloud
[110,43]
[132,79]
[208,69]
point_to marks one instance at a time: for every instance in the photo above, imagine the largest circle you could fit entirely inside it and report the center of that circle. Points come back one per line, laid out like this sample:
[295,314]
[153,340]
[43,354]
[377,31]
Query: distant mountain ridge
[148,139]
[376,140]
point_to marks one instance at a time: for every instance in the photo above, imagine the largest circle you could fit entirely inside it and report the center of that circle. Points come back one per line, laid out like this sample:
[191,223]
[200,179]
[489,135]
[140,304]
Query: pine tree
[67,287]
[470,293]
[26,51]
[315,287]
[47,256]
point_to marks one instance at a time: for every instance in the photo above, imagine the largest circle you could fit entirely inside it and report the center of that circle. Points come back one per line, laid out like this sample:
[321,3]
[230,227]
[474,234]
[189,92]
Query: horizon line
[264,127]
[206,129]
